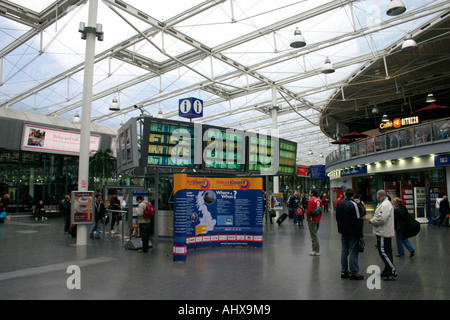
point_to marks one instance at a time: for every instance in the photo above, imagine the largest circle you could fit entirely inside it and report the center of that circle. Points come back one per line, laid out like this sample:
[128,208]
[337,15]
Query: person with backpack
[145,213]
[401,224]
[313,216]
[350,226]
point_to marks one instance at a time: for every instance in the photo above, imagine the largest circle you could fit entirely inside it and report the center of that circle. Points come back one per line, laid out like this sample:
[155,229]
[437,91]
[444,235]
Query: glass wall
[29,177]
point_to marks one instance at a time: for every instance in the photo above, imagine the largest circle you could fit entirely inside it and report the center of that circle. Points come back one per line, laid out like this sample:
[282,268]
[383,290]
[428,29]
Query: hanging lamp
[298,40]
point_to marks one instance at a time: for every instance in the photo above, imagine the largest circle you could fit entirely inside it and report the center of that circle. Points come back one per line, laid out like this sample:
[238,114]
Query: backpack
[361,208]
[413,229]
[149,211]
[318,210]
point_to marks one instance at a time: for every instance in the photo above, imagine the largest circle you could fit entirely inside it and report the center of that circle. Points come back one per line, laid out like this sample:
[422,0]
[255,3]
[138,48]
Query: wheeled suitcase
[282,218]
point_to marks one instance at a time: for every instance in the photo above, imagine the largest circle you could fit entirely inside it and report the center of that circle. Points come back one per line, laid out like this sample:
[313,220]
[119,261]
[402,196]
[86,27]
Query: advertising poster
[43,139]
[82,211]
[211,212]
[276,201]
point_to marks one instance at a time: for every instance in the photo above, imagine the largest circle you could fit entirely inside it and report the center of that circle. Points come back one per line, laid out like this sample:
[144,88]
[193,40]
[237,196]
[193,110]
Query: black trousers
[144,231]
[384,246]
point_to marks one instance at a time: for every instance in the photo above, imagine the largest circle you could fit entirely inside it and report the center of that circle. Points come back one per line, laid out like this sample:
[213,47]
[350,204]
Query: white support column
[274,133]
[83,171]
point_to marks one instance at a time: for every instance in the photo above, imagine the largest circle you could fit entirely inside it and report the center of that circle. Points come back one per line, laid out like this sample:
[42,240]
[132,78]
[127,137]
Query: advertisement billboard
[210,212]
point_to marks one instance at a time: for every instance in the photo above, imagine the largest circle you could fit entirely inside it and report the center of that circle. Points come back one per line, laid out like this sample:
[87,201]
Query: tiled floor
[35,256]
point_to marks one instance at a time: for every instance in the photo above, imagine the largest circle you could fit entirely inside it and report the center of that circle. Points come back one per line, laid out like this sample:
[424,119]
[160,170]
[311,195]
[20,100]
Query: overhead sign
[442,160]
[190,108]
[399,123]
[303,171]
[317,172]
[203,147]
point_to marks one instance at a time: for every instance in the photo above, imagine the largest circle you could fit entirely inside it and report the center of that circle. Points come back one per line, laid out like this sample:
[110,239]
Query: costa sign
[399,123]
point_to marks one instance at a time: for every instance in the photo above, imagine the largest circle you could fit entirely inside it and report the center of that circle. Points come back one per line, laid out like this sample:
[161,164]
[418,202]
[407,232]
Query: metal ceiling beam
[264,83]
[36,21]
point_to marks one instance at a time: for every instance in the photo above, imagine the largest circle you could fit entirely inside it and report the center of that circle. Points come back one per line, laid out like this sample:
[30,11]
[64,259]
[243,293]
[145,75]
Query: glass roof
[230,53]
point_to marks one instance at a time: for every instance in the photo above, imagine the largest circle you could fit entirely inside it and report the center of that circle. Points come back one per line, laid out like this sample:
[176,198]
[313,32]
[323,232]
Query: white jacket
[383,219]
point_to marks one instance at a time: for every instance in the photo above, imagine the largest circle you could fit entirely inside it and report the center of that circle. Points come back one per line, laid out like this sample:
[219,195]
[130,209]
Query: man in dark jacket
[100,213]
[350,226]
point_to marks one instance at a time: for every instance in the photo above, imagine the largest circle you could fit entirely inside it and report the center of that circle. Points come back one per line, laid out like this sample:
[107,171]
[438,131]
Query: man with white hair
[383,227]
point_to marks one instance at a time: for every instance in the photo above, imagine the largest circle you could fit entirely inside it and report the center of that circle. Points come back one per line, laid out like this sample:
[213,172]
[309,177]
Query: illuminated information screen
[260,153]
[170,143]
[288,157]
[173,143]
[223,149]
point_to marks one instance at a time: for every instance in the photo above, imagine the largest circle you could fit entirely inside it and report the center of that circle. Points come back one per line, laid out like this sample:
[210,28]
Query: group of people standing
[100,214]
[389,220]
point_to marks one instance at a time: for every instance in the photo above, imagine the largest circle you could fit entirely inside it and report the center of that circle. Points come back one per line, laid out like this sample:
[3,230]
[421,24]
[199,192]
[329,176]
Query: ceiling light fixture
[327,67]
[114,105]
[409,44]
[395,8]
[385,118]
[76,118]
[430,98]
[298,40]
[375,109]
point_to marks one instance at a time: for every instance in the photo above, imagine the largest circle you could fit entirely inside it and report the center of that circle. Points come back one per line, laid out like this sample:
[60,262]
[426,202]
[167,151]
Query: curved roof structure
[235,55]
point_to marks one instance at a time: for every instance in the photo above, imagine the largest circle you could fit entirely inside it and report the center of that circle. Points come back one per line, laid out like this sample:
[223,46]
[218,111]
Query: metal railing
[408,137]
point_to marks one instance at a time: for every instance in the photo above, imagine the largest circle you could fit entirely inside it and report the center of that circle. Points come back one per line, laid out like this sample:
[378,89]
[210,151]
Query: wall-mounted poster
[212,212]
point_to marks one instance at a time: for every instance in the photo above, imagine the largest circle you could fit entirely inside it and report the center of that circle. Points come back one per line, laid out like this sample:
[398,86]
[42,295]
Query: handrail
[407,137]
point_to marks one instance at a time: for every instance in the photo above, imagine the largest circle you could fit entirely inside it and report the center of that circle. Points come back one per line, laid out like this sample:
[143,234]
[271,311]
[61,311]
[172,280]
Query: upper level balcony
[429,138]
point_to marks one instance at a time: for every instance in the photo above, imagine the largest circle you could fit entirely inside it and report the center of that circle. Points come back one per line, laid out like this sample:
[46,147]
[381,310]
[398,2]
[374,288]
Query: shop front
[418,187]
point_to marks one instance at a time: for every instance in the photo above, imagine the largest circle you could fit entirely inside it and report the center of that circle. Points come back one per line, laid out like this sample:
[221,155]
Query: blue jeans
[402,241]
[349,250]
[96,228]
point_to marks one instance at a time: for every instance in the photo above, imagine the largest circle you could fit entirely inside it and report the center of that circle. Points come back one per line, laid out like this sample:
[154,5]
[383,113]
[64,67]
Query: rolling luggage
[282,218]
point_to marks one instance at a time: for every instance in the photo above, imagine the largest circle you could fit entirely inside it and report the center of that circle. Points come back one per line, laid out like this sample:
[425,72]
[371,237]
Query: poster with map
[210,212]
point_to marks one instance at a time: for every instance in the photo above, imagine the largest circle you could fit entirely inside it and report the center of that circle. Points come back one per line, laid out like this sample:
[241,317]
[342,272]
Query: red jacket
[313,203]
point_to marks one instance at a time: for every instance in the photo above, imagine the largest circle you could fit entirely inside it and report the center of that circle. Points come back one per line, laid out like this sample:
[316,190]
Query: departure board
[260,158]
[170,143]
[288,157]
[223,148]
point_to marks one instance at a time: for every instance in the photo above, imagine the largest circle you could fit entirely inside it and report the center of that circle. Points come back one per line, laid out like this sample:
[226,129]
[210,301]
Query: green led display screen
[183,144]
[260,153]
[170,143]
[288,157]
[223,148]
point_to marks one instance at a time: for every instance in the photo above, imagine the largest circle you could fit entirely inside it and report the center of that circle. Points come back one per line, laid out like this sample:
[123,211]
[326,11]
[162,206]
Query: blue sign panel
[442,160]
[317,172]
[190,108]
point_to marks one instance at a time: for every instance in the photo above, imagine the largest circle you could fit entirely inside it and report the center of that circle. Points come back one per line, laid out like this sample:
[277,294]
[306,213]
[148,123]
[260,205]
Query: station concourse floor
[35,256]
